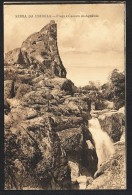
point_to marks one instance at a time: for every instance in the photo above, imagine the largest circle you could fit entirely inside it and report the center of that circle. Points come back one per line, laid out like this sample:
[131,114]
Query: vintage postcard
[64,96]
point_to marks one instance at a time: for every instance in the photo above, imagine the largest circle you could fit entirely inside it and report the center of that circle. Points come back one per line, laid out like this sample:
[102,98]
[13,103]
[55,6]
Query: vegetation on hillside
[113,91]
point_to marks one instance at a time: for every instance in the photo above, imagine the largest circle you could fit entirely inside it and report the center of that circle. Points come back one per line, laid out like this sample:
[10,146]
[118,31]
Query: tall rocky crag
[46,134]
[40,51]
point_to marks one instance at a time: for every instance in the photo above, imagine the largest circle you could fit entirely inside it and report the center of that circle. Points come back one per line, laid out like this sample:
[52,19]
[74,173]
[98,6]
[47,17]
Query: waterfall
[103,144]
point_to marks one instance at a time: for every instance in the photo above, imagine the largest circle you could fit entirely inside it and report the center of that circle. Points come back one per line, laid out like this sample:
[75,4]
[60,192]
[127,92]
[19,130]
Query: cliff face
[40,51]
[45,124]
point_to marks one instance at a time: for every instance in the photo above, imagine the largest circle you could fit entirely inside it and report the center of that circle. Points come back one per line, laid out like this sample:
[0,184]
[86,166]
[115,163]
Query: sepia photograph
[64,96]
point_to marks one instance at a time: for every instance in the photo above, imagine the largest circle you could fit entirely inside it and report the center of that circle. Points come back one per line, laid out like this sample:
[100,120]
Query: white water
[103,144]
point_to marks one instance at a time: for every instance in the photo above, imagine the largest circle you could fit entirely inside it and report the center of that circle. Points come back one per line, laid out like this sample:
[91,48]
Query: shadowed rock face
[14,56]
[112,123]
[40,50]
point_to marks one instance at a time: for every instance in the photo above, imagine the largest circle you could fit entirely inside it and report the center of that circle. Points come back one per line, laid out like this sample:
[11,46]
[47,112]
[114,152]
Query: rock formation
[113,172]
[39,51]
[45,125]
[47,141]
[112,123]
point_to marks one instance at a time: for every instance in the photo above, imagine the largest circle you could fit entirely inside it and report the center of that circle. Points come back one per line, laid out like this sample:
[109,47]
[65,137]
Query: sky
[90,47]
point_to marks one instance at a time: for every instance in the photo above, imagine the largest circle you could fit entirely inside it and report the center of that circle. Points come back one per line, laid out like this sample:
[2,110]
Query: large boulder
[39,148]
[67,122]
[62,84]
[80,149]
[111,122]
[71,140]
[30,111]
[112,173]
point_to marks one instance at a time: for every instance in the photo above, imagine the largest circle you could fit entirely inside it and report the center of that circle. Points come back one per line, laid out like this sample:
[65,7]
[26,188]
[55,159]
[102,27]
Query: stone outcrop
[40,51]
[112,123]
[71,140]
[46,125]
[112,173]
[63,136]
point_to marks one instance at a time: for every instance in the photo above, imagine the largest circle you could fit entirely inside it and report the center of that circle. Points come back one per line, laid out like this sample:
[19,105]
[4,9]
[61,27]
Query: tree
[93,85]
[115,89]
[118,84]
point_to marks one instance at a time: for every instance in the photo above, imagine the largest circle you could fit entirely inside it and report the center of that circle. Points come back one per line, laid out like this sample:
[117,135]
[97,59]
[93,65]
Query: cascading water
[103,144]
